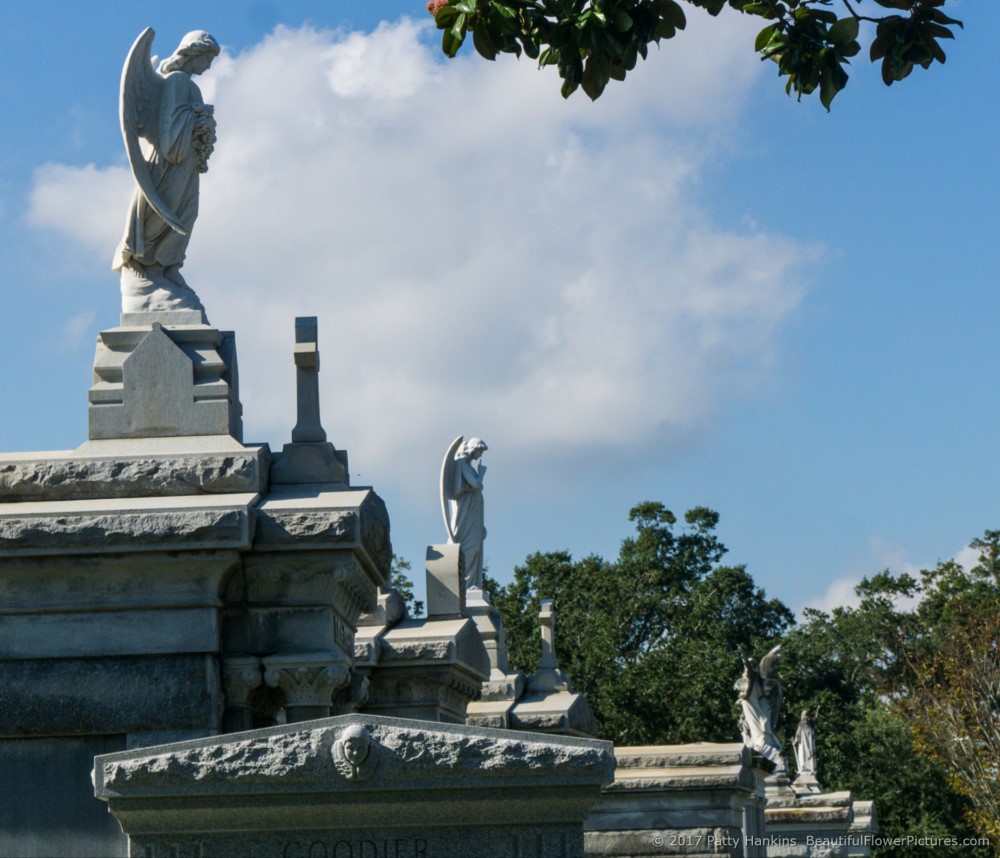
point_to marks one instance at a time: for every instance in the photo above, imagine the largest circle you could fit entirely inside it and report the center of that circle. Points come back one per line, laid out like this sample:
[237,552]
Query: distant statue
[462,504]
[165,109]
[804,744]
[760,702]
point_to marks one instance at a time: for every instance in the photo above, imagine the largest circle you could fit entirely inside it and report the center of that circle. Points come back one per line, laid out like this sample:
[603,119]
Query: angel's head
[472,449]
[193,55]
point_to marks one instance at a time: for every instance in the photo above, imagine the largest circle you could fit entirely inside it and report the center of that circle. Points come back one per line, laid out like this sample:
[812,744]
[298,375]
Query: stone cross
[307,427]
[547,620]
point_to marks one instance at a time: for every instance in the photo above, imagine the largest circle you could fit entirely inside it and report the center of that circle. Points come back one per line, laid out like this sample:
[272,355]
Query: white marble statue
[760,702]
[163,107]
[804,744]
[462,504]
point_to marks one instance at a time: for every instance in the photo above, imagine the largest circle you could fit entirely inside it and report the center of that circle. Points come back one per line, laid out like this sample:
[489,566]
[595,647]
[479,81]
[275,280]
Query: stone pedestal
[544,702]
[358,785]
[808,826]
[431,668]
[863,828]
[163,376]
[696,800]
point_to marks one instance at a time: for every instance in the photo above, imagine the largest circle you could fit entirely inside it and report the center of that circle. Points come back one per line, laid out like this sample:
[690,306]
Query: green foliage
[404,586]
[592,42]
[896,680]
[652,638]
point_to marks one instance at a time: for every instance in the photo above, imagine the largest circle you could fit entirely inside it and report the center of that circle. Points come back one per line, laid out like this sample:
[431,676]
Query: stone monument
[358,785]
[760,706]
[804,745]
[462,505]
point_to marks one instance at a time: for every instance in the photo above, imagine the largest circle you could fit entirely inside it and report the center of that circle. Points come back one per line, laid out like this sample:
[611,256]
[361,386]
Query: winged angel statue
[462,504]
[169,135]
[760,702]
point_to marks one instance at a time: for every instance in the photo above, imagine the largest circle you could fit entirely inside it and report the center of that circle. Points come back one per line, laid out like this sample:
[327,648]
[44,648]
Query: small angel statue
[164,108]
[760,704]
[462,504]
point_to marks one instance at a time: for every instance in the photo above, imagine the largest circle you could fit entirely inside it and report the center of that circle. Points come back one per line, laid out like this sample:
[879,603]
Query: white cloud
[483,256]
[840,592]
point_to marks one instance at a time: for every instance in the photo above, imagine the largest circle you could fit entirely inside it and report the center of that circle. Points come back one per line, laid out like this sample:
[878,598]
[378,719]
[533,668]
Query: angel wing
[769,663]
[448,484]
[139,111]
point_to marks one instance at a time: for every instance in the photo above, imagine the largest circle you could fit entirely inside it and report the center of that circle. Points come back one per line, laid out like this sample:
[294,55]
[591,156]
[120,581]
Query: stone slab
[434,642]
[92,582]
[109,633]
[262,631]
[110,695]
[46,807]
[103,526]
[326,516]
[456,790]
[128,469]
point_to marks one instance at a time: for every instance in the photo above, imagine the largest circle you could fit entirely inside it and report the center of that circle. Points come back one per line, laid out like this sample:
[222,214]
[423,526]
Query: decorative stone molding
[307,680]
[241,674]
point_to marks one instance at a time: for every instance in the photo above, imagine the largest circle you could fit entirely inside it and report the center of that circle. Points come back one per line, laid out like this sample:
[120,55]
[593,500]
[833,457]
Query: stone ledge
[130,469]
[109,526]
[323,516]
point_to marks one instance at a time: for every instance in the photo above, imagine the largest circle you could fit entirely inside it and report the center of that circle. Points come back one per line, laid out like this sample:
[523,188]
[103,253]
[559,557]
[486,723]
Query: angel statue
[163,107]
[760,702]
[462,504]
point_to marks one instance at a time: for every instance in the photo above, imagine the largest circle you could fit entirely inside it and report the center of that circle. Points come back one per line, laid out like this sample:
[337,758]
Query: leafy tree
[592,42]
[907,686]
[399,579]
[652,638]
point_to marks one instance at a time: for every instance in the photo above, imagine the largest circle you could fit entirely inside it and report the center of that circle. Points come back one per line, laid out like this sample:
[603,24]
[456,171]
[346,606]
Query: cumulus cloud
[483,256]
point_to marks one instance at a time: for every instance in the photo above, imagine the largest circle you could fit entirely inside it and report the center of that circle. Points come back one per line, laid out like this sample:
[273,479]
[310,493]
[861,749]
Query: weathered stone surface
[693,800]
[287,786]
[111,526]
[46,808]
[326,516]
[50,584]
[108,633]
[109,695]
[160,382]
[564,712]
[411,755]
[72,476]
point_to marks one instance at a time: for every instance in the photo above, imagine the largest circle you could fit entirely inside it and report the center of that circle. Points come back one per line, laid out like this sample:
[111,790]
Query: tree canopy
[592,42]
[653,638]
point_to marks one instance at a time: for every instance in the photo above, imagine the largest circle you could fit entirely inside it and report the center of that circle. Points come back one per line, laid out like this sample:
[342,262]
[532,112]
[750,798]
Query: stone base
[809,826]
[806,784]
[158,381]
[427,669]
[692,800]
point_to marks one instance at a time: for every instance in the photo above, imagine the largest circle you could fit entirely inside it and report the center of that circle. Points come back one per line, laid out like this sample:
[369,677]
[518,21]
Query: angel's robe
[173,165]
[805,747]
[467,518]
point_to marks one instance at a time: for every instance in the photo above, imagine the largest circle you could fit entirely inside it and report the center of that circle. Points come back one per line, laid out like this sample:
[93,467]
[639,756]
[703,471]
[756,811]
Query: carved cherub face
[355,742]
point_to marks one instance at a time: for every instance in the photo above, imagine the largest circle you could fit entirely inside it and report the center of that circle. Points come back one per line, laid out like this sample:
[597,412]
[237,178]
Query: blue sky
[695,290]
